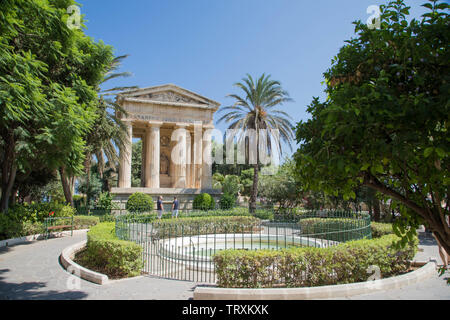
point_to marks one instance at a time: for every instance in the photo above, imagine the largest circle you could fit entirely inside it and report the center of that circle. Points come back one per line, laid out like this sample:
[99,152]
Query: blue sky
[208,45]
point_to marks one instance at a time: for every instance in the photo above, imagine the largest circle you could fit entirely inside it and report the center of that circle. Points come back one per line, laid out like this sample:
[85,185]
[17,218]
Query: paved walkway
[32,271]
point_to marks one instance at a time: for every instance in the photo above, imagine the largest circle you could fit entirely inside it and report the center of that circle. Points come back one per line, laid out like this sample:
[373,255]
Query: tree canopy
[48,75]
[385,122]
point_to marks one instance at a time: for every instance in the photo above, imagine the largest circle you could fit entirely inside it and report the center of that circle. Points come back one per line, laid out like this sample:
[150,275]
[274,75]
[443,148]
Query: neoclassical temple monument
[174,125]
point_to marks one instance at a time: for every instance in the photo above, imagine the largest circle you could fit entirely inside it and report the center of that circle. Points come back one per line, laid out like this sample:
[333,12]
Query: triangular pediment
[170,94]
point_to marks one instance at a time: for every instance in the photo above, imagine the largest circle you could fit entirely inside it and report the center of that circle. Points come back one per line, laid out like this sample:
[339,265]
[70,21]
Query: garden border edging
[66,260]
[324,292]
[36,237]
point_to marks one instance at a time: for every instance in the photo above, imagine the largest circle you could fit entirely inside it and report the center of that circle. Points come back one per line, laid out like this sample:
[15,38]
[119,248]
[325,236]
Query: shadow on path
[34,291]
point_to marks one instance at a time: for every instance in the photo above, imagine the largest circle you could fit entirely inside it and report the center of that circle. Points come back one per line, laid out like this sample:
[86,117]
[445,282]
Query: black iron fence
[183,248]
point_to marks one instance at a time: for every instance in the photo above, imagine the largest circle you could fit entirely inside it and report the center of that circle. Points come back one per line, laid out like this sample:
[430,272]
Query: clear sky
[208,45]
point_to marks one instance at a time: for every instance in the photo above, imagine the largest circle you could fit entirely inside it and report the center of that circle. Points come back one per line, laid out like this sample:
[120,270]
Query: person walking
[160,207]
[175,206]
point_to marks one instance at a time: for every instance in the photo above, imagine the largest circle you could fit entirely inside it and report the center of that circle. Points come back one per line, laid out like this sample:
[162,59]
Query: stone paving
[32,271]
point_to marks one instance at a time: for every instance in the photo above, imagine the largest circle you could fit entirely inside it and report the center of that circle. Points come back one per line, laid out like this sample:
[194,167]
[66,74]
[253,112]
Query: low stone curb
[324,292]
[66,260]
[36,237]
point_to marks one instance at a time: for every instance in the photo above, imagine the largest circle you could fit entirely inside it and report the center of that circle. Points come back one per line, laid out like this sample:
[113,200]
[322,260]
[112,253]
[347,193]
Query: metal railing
[58,223]
[182,249]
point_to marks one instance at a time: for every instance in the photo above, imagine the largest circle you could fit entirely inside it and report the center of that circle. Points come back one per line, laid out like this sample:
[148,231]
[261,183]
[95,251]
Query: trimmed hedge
[336,229]
[204,225]
[310,267]
[204,201]
[381,229]
[106,254]
[235,212]
[139,203]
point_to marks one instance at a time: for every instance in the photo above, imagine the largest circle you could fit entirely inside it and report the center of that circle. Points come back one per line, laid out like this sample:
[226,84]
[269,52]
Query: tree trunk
[9,170]
[376,210]
[7,189]
[66,186]
[254,194]
[431,216]
[87,170]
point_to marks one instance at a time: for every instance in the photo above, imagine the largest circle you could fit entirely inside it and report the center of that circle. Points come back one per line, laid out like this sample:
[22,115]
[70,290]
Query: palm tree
[257,110]
[108,132]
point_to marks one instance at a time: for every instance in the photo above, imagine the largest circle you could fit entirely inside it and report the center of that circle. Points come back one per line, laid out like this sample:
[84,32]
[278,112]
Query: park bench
[51,226]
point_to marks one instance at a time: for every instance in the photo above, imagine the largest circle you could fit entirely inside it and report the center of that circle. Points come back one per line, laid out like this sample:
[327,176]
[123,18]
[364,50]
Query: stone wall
[185,197]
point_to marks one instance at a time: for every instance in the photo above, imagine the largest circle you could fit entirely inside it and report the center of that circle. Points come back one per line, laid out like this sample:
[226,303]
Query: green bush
[309,267]
[145,218]
[105,202]
[27,219]
[204,225]
[38,212]
[106,254]
[381,229]
[227,201]
[204,201]
[11,228]
[140,203]
[85,222]
[264,214]
[335,229]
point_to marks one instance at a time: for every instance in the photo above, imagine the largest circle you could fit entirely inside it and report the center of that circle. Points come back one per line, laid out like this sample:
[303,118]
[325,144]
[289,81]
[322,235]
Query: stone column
[179,157]
[144,159]
[153,155]
[125,158]
[198,156]
[207,160]
[188,160]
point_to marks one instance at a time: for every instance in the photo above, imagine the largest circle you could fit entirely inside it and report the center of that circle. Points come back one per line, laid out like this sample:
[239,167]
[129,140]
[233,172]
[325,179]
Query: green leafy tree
[256,110]
[136,164]
[218,180]
[108,133]
[282,188]
[92,188]
[385,122]
[246,179]
[47,94]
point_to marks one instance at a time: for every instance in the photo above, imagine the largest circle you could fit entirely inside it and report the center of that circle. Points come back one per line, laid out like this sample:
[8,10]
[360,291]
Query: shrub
[204,201]
[10,228]
[85,222]
[105,202]
[335,229]
[264,214]
[381,229]
[227,201]
[139,203]
[231,185]
[105,253]
[235,212]
[308,267]
[27,219]
[204,225]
